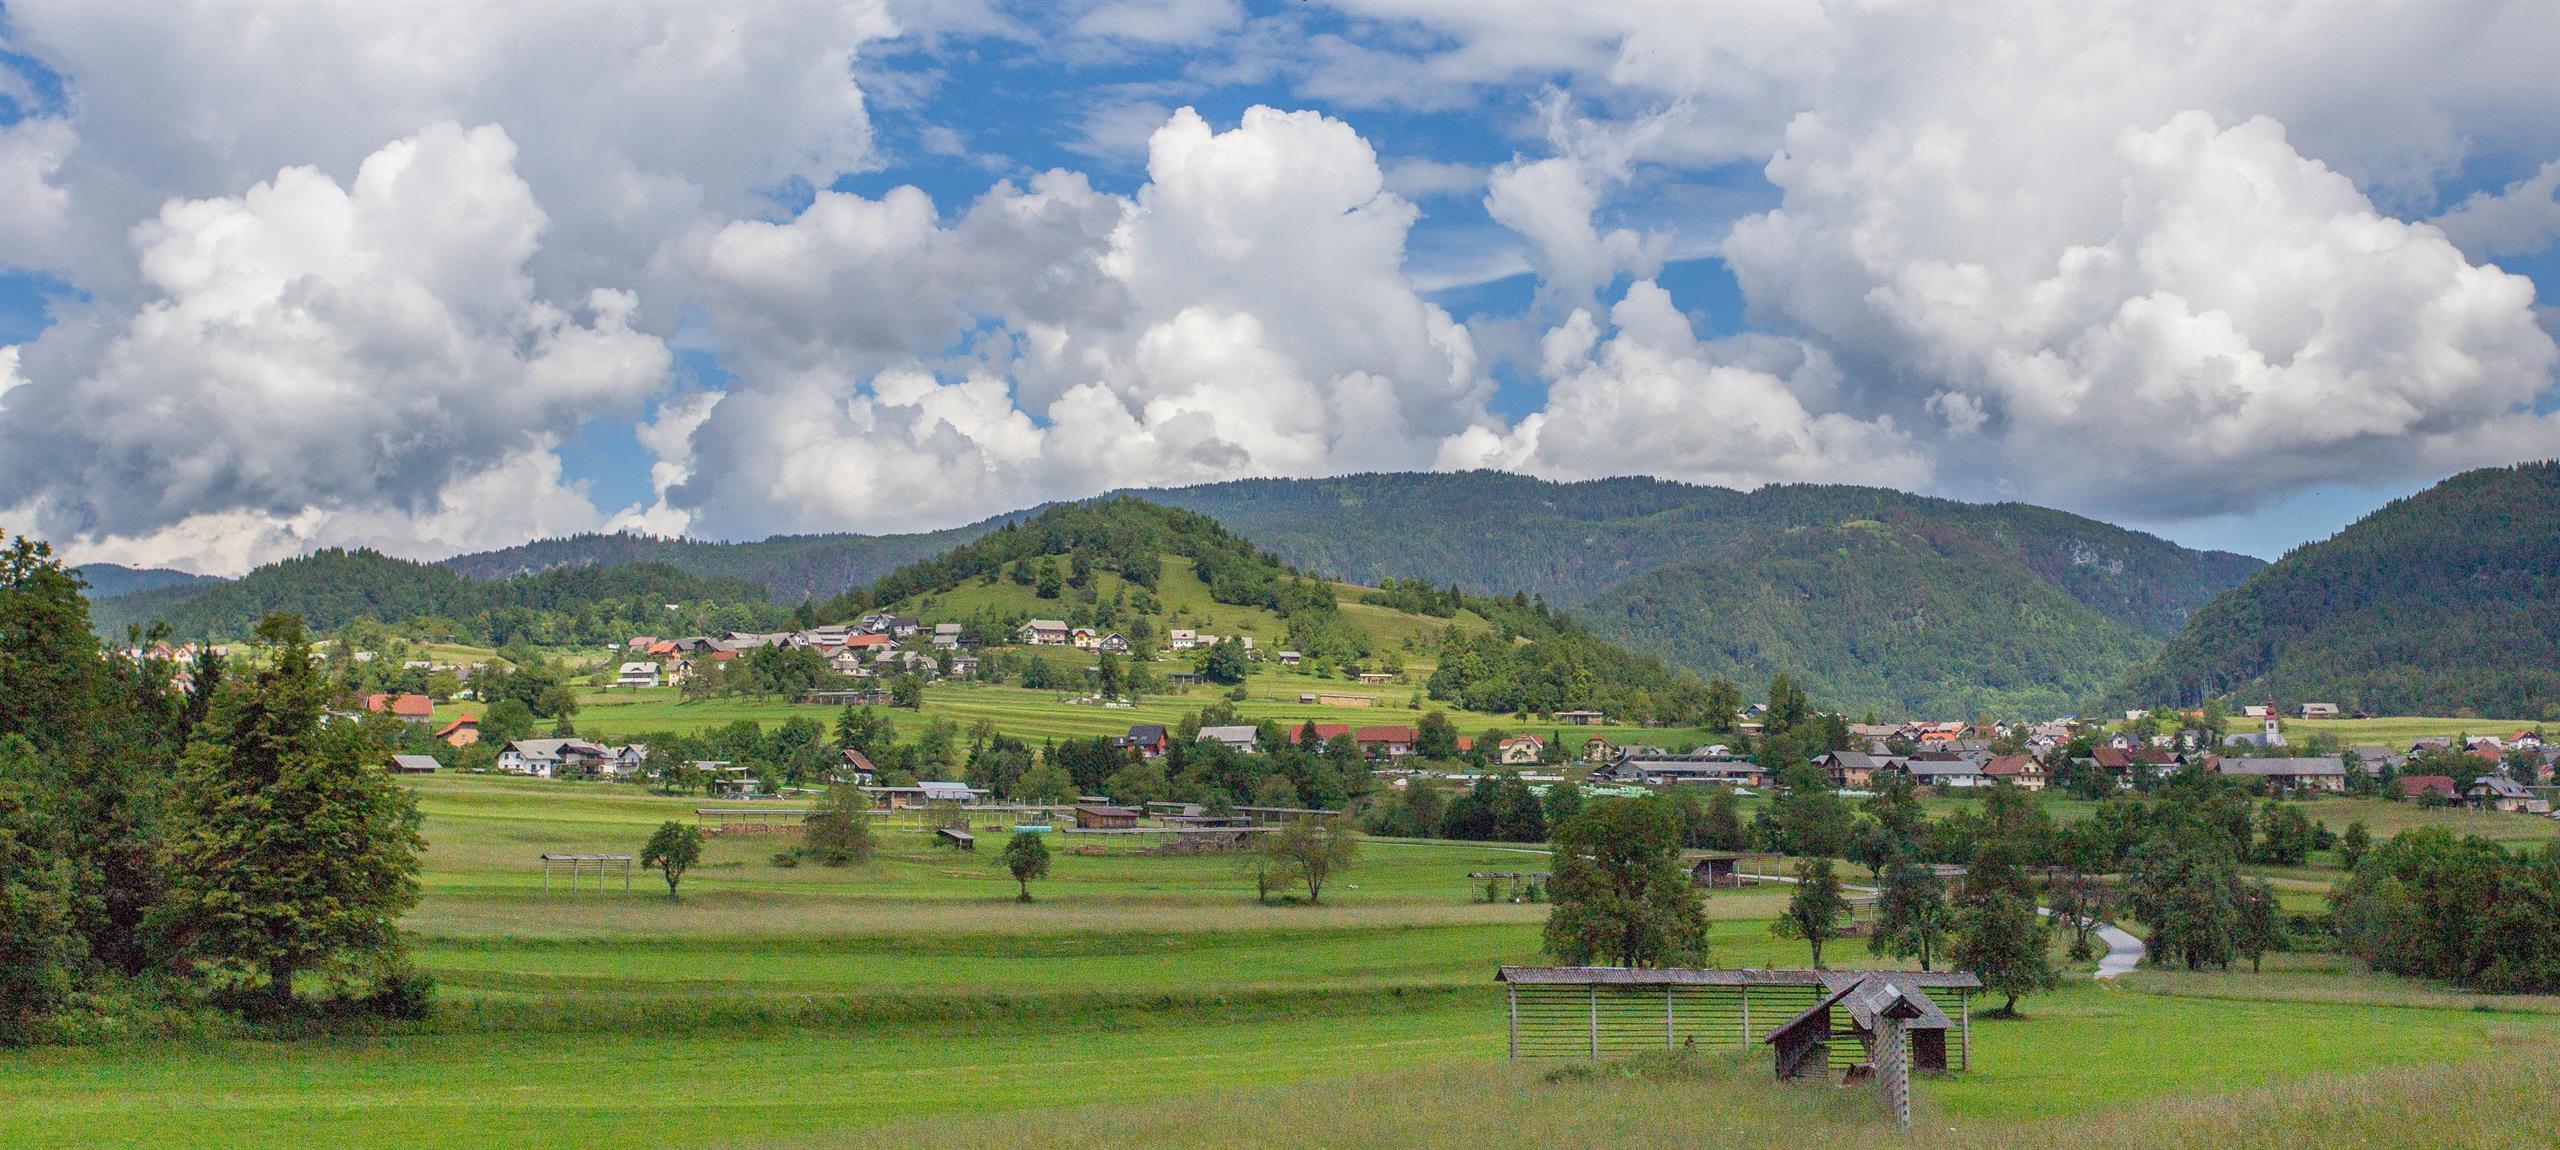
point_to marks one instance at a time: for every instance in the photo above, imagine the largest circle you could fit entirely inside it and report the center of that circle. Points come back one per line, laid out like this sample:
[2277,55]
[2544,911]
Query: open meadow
[1147,1000]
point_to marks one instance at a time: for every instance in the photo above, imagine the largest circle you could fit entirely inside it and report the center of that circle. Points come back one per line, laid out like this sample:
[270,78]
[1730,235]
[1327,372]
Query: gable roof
[2285,768]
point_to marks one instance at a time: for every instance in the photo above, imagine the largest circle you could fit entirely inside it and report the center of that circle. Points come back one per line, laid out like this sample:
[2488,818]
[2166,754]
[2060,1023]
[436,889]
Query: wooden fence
[1606,1012]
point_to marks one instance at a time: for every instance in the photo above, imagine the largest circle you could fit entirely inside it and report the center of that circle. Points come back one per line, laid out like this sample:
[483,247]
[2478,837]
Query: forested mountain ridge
[2444,601]
[109,580]
[1875,599]
[333,587]
[1877,618]
[789,567]
[1495,531]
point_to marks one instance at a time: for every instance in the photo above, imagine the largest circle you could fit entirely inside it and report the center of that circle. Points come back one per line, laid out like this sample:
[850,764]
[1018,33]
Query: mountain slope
[333,587]
[2446,600]
[789,567]
[110,580]
[1874,598]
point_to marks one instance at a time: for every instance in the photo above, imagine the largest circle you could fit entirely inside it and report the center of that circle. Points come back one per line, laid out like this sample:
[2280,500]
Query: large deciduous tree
[672,850]
[1620,895]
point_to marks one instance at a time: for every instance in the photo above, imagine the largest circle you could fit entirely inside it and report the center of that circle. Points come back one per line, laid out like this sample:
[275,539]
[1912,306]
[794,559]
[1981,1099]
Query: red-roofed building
[406,708]
[1386,742]
[2419,786]
[461,732]
[2021,770]
[1324,731]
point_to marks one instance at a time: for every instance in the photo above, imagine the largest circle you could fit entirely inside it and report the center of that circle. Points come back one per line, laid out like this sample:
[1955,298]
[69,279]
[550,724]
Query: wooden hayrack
[1608,1011]
[578,865]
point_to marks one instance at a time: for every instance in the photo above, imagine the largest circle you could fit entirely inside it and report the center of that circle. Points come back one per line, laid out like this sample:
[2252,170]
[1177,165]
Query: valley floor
[1148,1001]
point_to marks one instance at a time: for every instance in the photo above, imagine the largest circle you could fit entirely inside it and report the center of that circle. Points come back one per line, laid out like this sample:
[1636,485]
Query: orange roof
[458,724]
[1385,735]
[1324,731]
[418,706]
[866,640]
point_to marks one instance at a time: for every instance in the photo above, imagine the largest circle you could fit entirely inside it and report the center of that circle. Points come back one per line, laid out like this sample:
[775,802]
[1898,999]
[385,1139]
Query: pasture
[1147,1000]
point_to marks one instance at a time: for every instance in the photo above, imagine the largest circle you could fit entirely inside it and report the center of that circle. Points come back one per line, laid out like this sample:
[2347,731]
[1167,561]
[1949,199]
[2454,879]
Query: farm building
[1237,737]
[639,674]
[461,732]
[1809,1044]
[1601,1011]
[415,765]
[1580,718]
[1718,869]
[1097,817]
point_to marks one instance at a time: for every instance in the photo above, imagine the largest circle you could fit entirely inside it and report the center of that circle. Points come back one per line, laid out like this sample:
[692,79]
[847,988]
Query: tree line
[167,850]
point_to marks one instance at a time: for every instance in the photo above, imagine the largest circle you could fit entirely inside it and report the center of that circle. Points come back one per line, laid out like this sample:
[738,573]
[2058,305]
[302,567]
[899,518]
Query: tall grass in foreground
[1727,1102]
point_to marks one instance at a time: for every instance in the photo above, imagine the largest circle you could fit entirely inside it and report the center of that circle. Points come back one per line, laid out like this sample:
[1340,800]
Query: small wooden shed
[1097,817]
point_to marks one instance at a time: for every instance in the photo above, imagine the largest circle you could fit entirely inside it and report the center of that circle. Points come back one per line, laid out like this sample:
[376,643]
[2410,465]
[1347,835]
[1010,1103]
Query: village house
[1112,644]
[1042,633]
[947,636]
[1287,658]
[461,732]
[550,758]
[2322,773]
[2021,771]
[1235,738]
[642,674]
[1324,732]
[2417,787]
[857,768]
[1181,639]
[1851,770]
[2499,793]
[406,708]
[1083,638]
[1146,740]
[1521,749]
[1598,750]
[1388,743]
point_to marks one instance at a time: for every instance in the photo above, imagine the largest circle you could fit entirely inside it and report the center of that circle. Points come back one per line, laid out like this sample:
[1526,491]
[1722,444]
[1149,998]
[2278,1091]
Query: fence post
[1595,1021]
[1669,1026]
[1964,1008]
[1746,1016]
[1512,991]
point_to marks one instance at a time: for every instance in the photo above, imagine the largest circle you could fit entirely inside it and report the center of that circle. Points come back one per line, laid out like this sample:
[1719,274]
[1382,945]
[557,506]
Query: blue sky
[730,272]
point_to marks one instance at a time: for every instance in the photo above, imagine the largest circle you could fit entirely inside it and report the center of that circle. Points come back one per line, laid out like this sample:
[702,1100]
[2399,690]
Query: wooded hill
[1874,599]
[109,580]
[2443,601]
[569,605]
[1129,565]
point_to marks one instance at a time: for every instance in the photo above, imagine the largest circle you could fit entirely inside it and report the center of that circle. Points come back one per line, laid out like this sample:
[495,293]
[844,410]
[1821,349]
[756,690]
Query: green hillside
[330,588]
[1877,619]
[1127,565]
[110,580]
[2444,602]
[789,567]
[1875,599]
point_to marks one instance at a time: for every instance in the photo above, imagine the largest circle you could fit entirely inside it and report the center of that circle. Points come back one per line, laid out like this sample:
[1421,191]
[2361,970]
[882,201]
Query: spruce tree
[294,850]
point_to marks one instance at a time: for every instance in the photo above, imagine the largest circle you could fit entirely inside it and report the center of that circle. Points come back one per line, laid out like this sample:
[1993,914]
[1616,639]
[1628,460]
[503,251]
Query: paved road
[2123,952]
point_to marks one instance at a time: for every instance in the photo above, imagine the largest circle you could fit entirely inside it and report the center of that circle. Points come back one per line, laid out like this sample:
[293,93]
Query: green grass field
[1148,1001]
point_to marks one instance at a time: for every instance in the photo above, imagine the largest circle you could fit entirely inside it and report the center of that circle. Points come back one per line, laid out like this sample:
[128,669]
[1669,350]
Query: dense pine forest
[2446,601]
